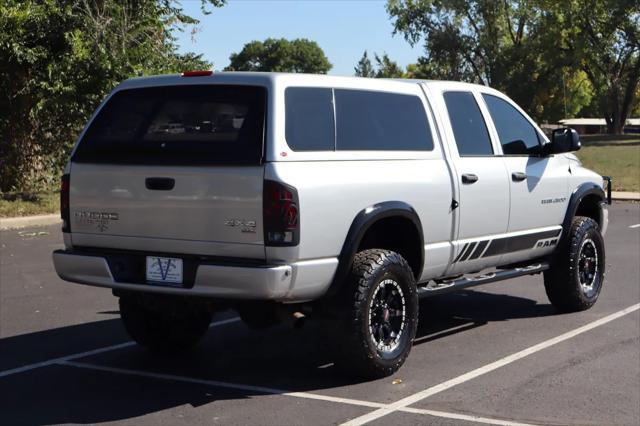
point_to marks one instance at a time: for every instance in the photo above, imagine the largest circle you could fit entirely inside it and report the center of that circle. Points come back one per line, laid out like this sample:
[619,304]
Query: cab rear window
[178,125]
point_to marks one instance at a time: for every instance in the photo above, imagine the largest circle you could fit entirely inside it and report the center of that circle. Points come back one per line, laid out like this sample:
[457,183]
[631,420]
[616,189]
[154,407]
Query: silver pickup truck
[290,196]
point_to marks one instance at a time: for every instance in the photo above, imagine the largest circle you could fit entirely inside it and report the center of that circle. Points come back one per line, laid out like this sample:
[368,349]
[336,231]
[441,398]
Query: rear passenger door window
[469,129]
[483,185]
[379,121]
[309,120]
[517,135]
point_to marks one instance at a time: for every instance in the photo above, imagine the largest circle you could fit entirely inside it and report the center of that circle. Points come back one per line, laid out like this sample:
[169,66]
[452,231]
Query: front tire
[575,280]
[378,315]
[164,324]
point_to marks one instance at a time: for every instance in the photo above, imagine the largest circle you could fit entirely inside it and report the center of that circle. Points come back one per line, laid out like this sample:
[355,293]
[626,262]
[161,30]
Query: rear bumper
[296,282]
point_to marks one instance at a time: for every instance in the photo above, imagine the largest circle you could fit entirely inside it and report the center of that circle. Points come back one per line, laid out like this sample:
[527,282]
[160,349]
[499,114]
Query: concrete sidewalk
[50,219]
[625,196]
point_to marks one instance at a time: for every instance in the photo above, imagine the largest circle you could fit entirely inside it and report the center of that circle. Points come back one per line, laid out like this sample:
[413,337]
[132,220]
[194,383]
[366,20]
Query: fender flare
[579,194]
[361,224]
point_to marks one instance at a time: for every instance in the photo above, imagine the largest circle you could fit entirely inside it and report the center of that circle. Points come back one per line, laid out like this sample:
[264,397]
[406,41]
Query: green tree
[499,44]
[635,111]
[281,55]
[58,59]
[385,67]
[364,68]
[528,48]
[606,41]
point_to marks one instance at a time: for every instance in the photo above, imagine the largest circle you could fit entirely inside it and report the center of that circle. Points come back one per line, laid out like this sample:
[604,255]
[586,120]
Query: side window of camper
[309,122]
[380,121]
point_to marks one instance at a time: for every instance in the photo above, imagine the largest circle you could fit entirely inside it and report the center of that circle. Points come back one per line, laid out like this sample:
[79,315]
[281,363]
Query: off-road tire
[357,351]
[164,324]
[563,281]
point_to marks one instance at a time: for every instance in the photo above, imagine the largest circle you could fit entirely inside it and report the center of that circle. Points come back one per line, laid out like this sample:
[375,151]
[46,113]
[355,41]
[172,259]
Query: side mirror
[564,140]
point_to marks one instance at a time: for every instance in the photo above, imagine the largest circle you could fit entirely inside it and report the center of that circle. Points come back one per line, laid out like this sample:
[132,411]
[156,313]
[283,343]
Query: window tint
[517,135]
[469,128]
[177,125]
[309,119]
[380,121]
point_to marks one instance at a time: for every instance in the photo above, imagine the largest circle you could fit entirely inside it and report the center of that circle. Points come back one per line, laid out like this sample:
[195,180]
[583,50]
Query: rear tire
[377,315]
[575,279]
[165,324]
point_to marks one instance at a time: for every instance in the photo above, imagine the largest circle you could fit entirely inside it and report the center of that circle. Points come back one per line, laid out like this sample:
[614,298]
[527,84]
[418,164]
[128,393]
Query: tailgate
[173,170]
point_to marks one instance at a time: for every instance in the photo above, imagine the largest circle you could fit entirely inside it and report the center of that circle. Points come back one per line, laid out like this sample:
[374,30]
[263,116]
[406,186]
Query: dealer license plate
[164,270]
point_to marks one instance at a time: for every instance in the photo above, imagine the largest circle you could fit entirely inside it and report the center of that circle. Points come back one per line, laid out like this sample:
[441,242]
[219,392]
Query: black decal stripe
[466,246]
[498,246]
[478,251]
[471,248]
[518,243]
[525,242]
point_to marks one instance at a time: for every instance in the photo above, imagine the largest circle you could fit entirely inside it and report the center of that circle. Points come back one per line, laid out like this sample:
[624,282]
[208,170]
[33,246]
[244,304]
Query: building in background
[590,126]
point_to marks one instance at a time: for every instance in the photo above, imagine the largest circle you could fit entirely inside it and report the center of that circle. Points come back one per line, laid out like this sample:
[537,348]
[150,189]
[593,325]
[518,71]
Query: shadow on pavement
[280,358]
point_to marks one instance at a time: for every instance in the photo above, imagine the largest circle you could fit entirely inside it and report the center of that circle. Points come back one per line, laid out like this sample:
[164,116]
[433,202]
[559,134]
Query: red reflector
[197,73]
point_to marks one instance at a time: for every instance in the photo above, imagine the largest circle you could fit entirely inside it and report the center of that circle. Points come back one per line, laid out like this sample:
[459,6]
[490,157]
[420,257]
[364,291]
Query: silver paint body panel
[333,187]
[217,281]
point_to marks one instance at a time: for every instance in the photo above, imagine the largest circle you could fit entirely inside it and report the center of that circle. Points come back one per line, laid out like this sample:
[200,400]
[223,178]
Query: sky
[344,29]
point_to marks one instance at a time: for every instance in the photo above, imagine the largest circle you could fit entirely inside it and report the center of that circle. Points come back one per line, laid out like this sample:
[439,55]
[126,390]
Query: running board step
[490,277]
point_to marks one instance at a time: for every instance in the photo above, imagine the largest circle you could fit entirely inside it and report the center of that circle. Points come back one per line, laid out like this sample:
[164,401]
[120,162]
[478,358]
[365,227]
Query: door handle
[469,178]
[518,176]
[159,183]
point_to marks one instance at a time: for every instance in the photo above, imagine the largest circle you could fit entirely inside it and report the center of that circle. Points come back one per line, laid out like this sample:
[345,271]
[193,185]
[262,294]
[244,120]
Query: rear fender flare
[363,221]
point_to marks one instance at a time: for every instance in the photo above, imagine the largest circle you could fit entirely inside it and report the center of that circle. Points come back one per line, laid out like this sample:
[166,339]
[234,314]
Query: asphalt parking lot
[497,354]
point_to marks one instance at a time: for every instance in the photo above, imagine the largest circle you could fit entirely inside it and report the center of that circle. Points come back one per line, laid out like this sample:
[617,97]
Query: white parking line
[412,399]
[635,226]
[273,391]
[88,353]
[465,417]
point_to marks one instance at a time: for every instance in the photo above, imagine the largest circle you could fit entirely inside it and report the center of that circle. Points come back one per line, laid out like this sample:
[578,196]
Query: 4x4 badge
[243,224]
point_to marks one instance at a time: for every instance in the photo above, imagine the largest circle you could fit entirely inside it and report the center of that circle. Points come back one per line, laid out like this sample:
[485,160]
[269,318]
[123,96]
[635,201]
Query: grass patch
[595,139]
[27,204]
[619,159]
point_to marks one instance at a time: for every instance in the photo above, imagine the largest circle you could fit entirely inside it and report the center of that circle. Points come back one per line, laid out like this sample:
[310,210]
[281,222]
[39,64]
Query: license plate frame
[164,270]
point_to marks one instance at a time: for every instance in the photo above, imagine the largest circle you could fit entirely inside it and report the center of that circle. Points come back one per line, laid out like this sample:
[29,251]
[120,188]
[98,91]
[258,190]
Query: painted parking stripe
[219,384]
[465,417]
[635,226]
[419,396]
[89,353]
[273,391]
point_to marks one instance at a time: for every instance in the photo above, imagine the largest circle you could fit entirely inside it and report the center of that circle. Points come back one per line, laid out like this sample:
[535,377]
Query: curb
[625,196]
[29,221]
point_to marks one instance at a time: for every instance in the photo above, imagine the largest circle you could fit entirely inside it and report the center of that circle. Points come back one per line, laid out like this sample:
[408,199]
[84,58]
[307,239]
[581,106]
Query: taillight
[65,212]
[281,214]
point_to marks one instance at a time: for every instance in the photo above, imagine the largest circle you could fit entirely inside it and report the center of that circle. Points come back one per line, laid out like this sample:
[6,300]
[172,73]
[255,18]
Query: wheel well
[397,234]
[589,207]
